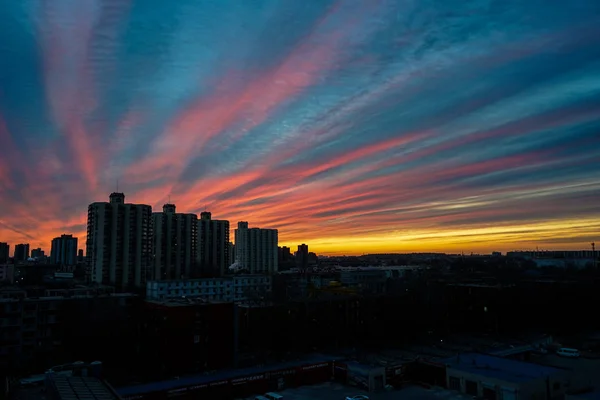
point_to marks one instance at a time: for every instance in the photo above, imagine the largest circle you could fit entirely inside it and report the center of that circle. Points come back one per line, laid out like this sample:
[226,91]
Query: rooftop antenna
[169,199]
[594,254]
[117,185]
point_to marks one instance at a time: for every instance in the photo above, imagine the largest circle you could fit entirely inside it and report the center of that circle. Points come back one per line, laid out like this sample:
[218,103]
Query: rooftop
[184,302]
[72,297]
[499,368]
[76,387]
[224,375]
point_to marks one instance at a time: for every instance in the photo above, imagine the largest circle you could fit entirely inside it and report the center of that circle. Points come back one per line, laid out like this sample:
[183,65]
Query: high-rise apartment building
[21,252]
[64,250]
[4,252]
[119,242]
[285,259]
[256,249]
[231,252]
[213,245]
[302,256]
[174,243]
[37,253]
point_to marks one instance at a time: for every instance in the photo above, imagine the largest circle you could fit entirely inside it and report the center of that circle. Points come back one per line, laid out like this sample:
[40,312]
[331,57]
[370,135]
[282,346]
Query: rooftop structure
[503,369]
[222,377]
[81,387]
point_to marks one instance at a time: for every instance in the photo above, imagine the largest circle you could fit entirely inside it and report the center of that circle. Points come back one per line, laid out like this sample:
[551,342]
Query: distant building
[302,256]
[256,249]
[230,289]
[80,257]
[559,259]
[213,245]
[119,242]
[64,250]
[174,242]
[21,252]
[4,252]
[284,254]
[38,253]
[285,259]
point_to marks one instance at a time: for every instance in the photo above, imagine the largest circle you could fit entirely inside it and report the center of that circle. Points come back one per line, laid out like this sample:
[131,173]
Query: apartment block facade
[175,243]
[119,242]
[214,251]
[256,249]
[64,250]
[233,289]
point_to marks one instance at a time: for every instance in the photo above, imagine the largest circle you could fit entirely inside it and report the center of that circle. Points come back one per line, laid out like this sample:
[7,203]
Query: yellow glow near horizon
[563,234]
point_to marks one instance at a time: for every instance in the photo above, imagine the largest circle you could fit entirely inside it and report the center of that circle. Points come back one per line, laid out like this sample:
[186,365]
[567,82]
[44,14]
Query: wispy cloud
[352,126]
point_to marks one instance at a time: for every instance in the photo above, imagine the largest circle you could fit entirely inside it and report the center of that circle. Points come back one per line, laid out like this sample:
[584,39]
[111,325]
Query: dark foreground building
[237,383]
[182,336]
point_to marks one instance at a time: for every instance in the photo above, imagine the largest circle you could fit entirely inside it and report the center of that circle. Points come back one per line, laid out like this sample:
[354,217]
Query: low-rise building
[7,273]
[186,335]
[501,378]
[79,381]
[236,288]
[38,330]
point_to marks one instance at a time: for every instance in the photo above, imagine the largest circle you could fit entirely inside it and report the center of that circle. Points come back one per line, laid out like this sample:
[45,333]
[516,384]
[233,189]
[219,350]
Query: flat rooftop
[76,387]
[499,368]
[224,375]
[336,391]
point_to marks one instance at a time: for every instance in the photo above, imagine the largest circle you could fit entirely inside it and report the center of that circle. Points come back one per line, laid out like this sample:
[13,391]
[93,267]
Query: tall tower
[174,242]
[302,256]
[119,242]
[21,252]
[256,249]
[4,252]
[64,250]
[214,252]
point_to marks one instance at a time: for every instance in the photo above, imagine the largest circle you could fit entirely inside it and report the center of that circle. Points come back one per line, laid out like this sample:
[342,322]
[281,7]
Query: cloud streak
[361,126]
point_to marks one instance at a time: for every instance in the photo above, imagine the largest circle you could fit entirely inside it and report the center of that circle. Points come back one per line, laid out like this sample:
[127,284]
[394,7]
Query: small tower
[117,198]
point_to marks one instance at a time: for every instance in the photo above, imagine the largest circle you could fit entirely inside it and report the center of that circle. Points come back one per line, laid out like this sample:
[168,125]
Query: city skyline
[353,127]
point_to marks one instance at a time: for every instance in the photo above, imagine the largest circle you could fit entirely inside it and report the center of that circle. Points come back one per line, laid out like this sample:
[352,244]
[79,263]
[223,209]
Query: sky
[353,126]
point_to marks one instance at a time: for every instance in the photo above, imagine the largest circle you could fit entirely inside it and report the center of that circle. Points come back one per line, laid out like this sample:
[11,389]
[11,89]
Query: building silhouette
[174,243]
[302,256]
[256,249]
[119,242]
[4,252]
[21,252]
[37,253]
[64,250]
[214,251]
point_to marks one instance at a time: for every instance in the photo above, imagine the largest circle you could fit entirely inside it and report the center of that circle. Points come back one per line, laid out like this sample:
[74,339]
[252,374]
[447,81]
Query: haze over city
[354,126]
